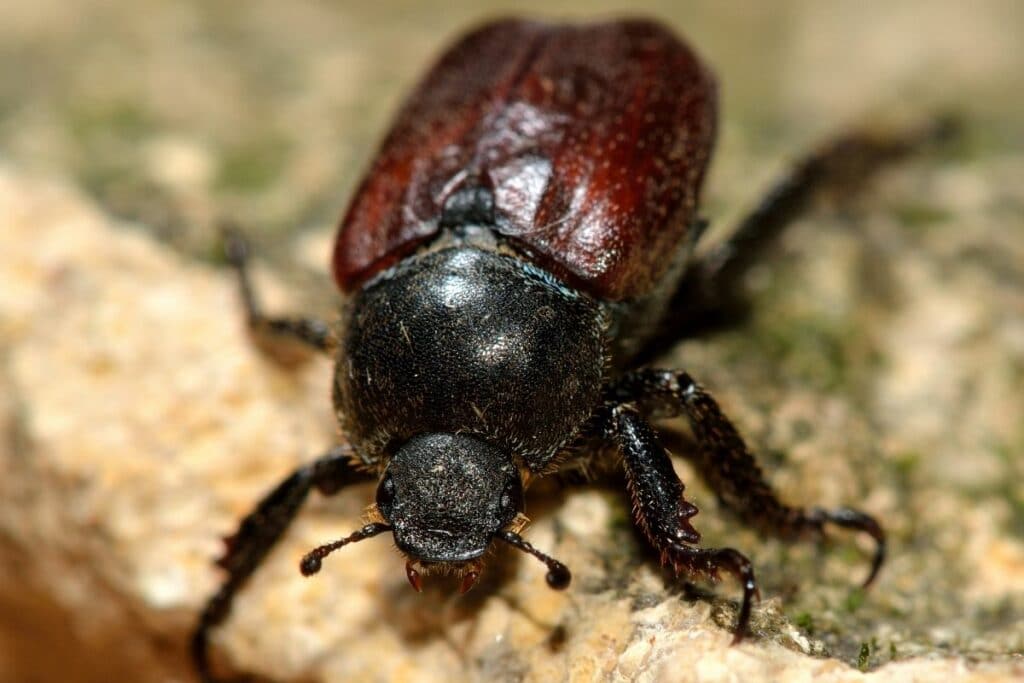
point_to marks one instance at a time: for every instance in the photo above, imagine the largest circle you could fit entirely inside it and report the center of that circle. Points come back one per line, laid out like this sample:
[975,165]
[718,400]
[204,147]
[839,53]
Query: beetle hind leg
[841,165]
[663,515]
[712,295]
[283,337]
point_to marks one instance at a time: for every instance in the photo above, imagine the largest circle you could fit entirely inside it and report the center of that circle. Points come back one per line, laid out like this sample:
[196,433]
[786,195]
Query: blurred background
[884,364]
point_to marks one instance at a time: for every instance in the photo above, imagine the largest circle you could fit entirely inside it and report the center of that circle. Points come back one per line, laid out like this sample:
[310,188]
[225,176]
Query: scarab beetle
[520,246]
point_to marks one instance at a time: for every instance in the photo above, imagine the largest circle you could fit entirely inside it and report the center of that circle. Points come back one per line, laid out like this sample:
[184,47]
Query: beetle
[521,245]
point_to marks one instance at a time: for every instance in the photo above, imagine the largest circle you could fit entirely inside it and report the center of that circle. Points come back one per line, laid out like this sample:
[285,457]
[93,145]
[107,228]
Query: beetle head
[446,497]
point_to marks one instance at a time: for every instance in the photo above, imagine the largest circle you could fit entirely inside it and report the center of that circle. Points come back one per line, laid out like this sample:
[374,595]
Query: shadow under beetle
[521,244]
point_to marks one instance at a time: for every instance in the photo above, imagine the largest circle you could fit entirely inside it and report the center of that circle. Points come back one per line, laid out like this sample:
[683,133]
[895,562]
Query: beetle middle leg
[260,530]
[270,331]
[728,465]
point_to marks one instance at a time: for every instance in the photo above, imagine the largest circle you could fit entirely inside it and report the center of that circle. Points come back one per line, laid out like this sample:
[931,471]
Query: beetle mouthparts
[468,572]
[414,577]
[468,581]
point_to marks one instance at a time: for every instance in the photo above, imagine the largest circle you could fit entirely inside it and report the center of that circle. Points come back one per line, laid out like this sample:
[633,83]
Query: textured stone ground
[883,367]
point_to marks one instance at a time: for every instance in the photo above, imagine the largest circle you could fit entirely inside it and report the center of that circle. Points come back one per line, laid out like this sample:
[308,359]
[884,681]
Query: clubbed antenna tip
[313,560]
[558,576]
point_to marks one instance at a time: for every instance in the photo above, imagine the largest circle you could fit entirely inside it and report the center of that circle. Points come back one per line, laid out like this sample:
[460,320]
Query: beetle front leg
[270,332]
[259,531]
[663,515]
[729,466]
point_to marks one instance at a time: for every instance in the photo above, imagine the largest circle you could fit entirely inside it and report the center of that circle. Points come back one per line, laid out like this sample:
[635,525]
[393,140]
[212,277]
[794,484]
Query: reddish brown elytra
[591,141]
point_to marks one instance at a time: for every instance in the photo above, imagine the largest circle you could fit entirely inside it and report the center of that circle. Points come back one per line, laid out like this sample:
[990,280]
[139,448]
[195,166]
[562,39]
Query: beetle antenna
[558,576]
[313,560]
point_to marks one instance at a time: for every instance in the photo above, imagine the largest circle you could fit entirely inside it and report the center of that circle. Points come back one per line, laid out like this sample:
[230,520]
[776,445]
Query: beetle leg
[711,292]
[260,530]
[729,466]
[269,332]
[663,515]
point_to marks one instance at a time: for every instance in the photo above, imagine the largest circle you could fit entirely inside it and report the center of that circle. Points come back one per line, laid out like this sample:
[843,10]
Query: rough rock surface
[883,367]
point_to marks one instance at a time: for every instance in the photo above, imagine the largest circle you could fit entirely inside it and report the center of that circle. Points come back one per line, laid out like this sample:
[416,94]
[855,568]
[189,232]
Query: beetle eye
[511,496]
[386,491]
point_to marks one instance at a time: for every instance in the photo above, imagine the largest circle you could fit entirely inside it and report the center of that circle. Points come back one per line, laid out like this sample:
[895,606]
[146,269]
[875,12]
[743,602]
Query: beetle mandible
[520,245]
